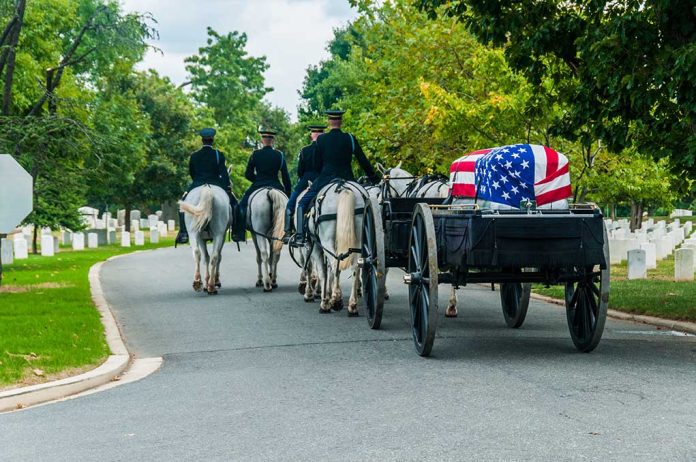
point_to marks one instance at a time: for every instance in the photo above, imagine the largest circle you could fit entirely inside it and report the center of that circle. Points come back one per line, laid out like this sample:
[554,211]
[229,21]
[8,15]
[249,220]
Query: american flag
[512,174]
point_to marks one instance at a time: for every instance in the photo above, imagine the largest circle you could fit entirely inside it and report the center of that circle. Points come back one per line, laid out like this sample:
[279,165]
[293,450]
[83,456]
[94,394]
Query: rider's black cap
[265,132]
[335,114]
[207,133]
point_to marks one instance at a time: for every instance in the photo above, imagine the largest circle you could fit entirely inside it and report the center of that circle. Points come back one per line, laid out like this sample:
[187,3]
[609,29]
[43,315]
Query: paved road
[253,376]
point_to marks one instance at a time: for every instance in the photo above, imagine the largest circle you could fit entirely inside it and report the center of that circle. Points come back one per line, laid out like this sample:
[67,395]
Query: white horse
[266,222]
[332,241]
[206,208]
[308,286]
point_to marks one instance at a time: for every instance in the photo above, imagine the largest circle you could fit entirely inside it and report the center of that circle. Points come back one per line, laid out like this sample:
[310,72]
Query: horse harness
[338,185]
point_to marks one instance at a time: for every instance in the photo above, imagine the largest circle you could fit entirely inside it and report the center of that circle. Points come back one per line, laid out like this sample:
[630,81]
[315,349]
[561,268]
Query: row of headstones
[17,247]
[90,217]
[684,264]
[664,237]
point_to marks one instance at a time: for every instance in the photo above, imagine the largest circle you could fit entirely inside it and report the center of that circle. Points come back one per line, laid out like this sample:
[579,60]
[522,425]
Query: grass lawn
[49,327]
[658,295]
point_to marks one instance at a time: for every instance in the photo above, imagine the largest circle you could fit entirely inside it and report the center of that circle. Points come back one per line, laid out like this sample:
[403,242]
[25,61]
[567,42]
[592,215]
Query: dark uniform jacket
[306,168]
[207,166]
[333,156]
[262,170]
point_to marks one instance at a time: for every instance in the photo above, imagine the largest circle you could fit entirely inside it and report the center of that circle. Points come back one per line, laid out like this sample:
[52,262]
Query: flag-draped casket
[511,174]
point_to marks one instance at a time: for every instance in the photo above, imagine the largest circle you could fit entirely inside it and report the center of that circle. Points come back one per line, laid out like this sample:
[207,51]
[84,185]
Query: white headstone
[617,250]
[78,241]
[687,228]
[135,225]
[685,246]
[47,245]
[154,236]
[92,240]
[171,225]
[66,237]
[159,214]
[21,249]
[6,251]
[135,215]
[152,220]
[684,265]
[125,239]
[121,217]
[663,247]
[650,255]
[111,237]
[56,245]
[162,228]
[139,238]
[636,264]
[144,224]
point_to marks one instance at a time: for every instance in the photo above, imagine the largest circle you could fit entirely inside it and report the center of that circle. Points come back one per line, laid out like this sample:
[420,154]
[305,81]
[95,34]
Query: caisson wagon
[507,222]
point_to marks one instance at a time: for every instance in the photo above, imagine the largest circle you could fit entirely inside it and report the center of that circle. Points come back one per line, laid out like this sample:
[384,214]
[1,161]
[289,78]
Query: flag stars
[506,196]
[503,179]
[508,165]
[515,190]
[515,156]
[525,164]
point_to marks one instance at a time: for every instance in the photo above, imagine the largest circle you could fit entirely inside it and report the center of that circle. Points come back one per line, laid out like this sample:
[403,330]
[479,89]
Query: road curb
[683,326]
[114,366]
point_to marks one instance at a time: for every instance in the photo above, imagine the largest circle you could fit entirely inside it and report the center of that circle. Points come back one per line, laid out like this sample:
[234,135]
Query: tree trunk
[613,212]
[11,55]
[127,220]
[34,248]
[639,224]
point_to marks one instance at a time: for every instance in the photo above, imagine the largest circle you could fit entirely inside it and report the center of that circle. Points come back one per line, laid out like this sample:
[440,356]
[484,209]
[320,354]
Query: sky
[292,34]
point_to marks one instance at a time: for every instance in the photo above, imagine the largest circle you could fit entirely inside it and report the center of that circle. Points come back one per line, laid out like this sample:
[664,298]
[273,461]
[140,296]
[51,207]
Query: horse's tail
[202,212]
[345,226]
[279,203]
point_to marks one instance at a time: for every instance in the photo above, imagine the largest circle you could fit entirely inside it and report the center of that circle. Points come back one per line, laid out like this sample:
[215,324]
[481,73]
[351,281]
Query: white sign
[16,193]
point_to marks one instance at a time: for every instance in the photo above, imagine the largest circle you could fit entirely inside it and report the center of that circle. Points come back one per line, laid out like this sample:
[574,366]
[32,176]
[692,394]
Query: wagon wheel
[422,279]
[372,264]
[586,304]
[514,298]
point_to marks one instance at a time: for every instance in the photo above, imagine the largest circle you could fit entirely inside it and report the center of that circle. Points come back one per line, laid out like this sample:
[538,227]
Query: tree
[171,114]
[625,69]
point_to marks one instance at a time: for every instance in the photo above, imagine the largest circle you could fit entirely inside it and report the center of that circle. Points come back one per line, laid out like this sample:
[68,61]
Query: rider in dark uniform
[306,172]
[333,158]
[262,170]
[206,166]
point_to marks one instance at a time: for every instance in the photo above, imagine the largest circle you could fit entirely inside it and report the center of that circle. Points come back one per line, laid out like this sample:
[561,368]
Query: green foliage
[625,69]
[228,81]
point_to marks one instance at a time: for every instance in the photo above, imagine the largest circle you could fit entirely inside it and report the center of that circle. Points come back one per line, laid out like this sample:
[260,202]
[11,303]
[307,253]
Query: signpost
[16,195]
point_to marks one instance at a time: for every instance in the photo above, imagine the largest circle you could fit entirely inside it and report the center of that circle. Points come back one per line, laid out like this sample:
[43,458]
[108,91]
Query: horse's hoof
[259,284]
[386,296]
[302,287]
[323,311]
[309,300]
[266,289]
[218,285]
[212,292]
[197,286]
[352,314]
[274,286]
[337,305]
[451,313]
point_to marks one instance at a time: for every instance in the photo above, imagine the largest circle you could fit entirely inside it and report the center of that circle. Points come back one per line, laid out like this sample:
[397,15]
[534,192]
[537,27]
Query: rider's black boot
[288,226]
[298,239]
[182,237]
[239,234]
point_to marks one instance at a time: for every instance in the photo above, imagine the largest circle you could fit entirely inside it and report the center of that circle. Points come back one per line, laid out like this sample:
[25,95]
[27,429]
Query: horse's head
[399,180]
